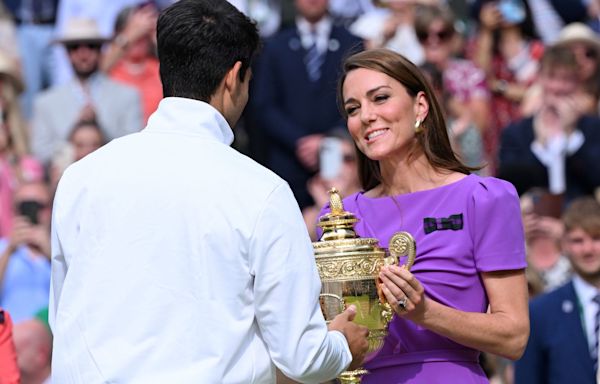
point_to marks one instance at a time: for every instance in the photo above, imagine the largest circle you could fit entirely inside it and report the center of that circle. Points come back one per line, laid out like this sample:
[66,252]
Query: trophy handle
[340,300]
[401,244]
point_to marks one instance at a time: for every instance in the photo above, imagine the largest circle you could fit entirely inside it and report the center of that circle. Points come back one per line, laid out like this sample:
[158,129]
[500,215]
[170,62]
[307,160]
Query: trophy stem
[352,377]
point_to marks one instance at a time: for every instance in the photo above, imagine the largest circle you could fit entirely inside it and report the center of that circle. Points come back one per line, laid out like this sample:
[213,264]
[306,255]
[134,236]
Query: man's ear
[232,78]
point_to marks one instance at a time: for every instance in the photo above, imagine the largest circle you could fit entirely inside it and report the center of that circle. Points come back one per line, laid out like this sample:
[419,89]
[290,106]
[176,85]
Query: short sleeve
[496,226]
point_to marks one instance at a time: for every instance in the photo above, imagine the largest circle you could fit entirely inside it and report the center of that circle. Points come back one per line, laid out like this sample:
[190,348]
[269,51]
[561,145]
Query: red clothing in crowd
[146,80]
[9,371]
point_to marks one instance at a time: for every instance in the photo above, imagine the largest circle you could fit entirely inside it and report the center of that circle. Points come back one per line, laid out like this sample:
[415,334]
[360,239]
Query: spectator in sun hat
[89,95]
[585,45]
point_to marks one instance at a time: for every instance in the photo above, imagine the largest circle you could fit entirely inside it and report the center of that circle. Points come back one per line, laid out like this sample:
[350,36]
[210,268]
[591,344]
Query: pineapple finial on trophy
[335,201]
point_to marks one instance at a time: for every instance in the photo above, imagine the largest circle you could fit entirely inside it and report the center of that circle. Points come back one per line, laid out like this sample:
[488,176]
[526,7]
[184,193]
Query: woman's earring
[418,128]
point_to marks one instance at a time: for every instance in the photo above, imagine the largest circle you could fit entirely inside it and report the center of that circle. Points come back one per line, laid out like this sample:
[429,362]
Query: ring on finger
[402,303]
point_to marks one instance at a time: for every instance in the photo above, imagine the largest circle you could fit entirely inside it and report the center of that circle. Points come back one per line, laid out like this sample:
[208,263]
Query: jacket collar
[190,117]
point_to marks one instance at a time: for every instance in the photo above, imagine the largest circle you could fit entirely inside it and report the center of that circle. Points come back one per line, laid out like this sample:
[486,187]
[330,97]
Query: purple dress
[461,229]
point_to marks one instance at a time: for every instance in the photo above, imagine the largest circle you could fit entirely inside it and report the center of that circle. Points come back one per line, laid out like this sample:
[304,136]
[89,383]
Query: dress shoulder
[491,190]
[495,224]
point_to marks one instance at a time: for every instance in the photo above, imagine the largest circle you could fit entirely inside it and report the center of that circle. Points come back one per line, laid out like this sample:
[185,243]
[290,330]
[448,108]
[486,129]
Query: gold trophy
[349,269]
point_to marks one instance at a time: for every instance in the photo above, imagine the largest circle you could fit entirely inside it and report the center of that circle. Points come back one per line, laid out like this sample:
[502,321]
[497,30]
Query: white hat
[81,31]
[578,32]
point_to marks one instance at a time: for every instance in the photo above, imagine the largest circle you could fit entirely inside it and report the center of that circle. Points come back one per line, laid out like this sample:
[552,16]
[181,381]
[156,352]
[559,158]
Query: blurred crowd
[519,81]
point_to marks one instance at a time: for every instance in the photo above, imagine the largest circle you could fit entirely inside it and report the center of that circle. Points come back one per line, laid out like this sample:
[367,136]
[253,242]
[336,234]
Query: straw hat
[9,69]
[578,32]
[81,31]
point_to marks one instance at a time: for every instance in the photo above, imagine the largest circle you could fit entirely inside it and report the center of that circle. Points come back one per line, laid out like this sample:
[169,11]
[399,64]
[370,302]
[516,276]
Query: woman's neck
[404,176]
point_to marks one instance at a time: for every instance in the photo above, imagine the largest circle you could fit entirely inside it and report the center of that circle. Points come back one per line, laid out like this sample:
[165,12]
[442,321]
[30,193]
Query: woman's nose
[367,114]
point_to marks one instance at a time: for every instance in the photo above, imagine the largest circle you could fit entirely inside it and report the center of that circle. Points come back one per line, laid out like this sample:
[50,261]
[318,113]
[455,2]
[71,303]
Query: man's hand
[490,17]
[356,335]
[18,236]
[32,235]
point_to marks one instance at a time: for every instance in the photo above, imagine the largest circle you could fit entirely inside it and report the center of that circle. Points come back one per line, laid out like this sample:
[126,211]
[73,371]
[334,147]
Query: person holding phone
[25,254]
[508,50]
[337,168]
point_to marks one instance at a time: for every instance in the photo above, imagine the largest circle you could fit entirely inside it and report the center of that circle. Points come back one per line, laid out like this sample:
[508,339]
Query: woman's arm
[489,20]
[504,330]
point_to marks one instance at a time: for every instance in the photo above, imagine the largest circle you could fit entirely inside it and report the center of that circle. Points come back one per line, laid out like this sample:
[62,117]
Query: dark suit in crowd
[557,351]
[286,106]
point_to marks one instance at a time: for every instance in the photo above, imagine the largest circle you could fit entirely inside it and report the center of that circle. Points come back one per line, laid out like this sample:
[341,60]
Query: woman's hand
[503,330]
[536,225]
[404,292]
[490,17]
[142,22]
[318,190]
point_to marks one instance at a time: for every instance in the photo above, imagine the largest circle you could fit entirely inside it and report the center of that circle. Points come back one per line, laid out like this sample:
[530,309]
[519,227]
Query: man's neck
[85,79]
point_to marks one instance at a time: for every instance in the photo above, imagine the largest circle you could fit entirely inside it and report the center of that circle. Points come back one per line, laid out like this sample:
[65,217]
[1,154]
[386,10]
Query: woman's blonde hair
[13,118]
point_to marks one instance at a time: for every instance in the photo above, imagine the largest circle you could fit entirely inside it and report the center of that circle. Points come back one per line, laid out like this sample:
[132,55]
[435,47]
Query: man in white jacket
[175,259]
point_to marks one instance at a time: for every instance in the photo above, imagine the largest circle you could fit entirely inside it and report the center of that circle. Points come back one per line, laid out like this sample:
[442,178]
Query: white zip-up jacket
[176,259]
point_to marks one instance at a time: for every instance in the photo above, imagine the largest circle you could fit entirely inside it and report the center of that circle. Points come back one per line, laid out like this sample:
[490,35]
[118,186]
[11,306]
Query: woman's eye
[381,97]
[350,110]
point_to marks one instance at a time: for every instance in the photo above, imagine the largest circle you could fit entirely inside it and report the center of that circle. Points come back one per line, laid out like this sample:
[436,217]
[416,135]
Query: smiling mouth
[375,134]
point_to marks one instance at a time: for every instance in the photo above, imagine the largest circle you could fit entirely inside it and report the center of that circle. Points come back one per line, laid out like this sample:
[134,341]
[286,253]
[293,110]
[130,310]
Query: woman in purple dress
[467,291]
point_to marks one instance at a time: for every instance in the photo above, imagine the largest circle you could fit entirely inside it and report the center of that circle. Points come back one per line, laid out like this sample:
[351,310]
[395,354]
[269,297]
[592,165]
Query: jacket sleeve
[286,289]
[531,367]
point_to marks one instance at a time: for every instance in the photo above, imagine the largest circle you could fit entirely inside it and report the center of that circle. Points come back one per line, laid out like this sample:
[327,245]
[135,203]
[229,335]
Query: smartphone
[513,11]
[30,209]
[330,158]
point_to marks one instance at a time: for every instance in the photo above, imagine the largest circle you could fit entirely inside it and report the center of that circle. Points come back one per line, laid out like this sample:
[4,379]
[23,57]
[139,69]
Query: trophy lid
[340,243]
[338,224]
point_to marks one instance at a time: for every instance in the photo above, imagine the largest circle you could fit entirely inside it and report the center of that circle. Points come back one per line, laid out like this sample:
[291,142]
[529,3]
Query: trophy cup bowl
[349,268]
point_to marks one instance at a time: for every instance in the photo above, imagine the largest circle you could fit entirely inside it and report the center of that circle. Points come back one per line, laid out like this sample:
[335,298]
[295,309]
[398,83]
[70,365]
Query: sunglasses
[443,35]
[591,53]
[75,46]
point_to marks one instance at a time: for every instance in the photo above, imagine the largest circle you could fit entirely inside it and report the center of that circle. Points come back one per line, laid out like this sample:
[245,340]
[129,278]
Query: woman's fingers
[401,277]
[400,282]
[399,305]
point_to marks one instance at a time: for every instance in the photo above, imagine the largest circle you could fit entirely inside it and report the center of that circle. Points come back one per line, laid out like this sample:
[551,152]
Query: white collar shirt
[176,259]
[315,33]
[553,156]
